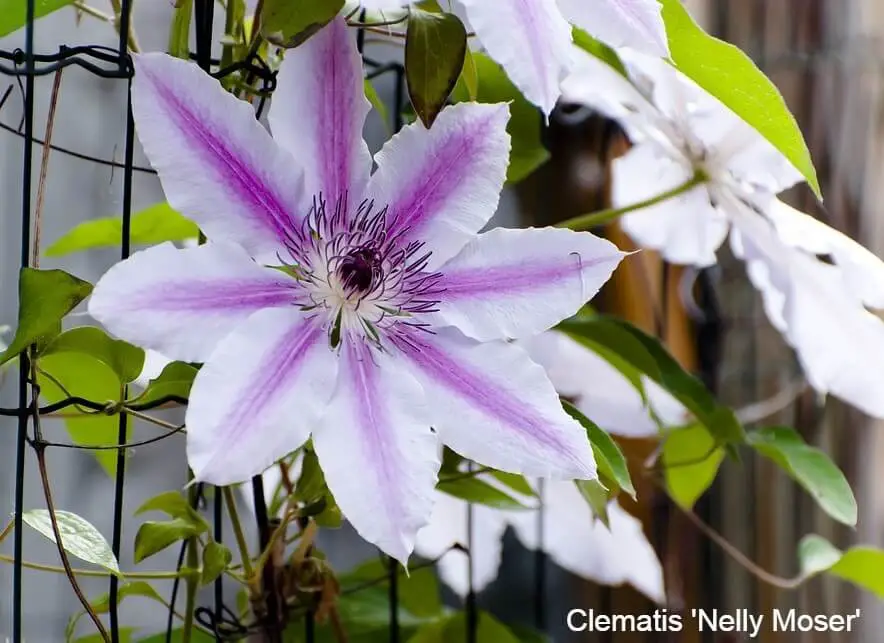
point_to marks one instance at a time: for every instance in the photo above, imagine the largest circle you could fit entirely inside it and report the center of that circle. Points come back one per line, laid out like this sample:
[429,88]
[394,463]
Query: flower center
[358,277]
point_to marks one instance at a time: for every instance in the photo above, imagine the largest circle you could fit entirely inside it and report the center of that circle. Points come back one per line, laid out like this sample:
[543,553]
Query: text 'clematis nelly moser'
[385,313]
[679,131]
[531,39]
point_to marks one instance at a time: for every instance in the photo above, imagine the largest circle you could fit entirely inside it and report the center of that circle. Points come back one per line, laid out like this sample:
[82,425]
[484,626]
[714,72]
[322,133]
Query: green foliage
[79,537]
[418,590]
[646,354]
[13,13]
[175,505]
[527,152]
[216,558]
[311,488]
[472,489]
[125,360]
[611,464]
[453,630]
[45,297]
[196,636]
[176,380]
[75,374]
[862,566]
[155,536]
[727,73]
[179,30]
[597,496]
[288,23]
[372,95]
[691,459]
[811,468]
[125,636]
[598,49]
[435,48]
[155,224]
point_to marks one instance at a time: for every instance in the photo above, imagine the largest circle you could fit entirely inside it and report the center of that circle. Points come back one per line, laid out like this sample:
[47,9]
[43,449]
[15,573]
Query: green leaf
[175,505]
[435,48]
[13,13]
[153,537]
[126,636]
[289,23]
[691,460]
[473,489]
[123,358]
[728,74]
[216,558]
[598,49]
[155,224]
[470,75]
[453,630]
[862,566]
[372,95]
[515,482]
[418,591]
[527,152]
[311,487]
[45,297]
[84,376]
[596,496]
[811,468]
[176,380]
[79,537]
[648,355]
[137,588]
[608,456]
[196,636]
[179,30]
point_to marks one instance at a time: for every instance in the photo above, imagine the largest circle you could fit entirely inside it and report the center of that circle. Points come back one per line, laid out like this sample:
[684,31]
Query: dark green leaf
[452,630]
[470,75]
[608,456]
[86,377]
[515,482]
[13,13]
[472,489]
[126,635]
[179,31]
[730,75]
[175,380]
[153,537]
[435,46]
[311,487]
[154,224]
[137,588]
[811,468]
[418,591]
[175,505]
[691,460]
[527,152]
[596,496]
[862,566]
[123,358]
[216,558]
[45,297]
[288,23]
[196,636]
[79,537]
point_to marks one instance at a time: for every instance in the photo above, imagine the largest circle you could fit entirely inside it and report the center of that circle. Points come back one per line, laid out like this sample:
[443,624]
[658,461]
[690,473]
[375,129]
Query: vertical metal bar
[125,249]
[394,600]
[21,438]
[271,629]
[472,616]
[540,564]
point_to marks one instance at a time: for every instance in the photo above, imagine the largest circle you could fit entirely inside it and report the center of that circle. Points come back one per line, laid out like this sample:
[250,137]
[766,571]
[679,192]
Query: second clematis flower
[361,309]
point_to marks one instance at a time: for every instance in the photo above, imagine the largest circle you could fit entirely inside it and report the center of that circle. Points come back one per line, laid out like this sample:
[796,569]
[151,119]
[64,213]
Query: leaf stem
[92,11]
[93,572]
[131,39]
[238,532]
[192,580]
[601,217]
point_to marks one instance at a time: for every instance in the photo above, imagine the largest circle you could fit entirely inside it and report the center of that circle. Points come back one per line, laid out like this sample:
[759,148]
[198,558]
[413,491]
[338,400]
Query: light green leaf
[86,377]
[527,152]
[79,537]
[515,482]
[154,224]
[648,355]
[811,468]
[123,358]
[418,591]
[473,489]
[175,380]
[598,49]
[288,23]
[596,496]
[45,297]
[728,74]
[216,558]
[435,47]
[691,460]
[470,75]
[13,13]
[372,95]
[179,30]
[862,566]
[175,505]
[153,537]
[137,588]
[196,636]
[608,456]
[126,636]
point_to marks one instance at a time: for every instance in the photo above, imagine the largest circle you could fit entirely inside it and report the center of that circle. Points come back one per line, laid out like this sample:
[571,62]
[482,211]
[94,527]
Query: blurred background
[825,55]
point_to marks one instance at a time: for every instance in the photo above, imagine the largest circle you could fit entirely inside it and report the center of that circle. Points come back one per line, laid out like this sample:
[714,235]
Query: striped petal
[319,109]
[530,39]
[621,23]
[217,164]
[258,396]
[492,404]
[377,452]
[442,185]
[517,283]
[182,303]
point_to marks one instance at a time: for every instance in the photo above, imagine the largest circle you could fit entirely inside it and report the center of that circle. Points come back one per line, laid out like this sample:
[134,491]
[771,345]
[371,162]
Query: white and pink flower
[360,309]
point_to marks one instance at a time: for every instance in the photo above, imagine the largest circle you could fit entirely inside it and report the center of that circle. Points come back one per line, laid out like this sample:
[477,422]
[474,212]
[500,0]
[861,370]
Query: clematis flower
[383,313]
[679,132]
[531,39]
